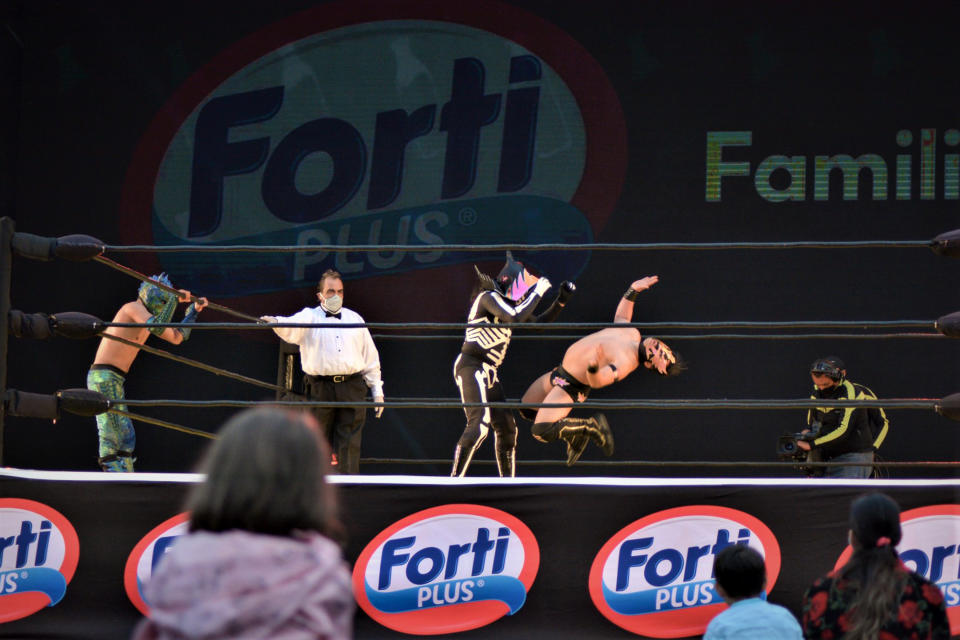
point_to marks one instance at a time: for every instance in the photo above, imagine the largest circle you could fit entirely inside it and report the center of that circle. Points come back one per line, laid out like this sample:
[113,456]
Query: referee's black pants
[342,426]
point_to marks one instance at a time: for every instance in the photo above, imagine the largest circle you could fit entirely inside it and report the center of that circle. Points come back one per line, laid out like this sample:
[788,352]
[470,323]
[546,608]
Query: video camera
[788,449]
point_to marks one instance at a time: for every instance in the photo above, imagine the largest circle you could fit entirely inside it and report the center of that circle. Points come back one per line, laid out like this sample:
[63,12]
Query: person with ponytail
[874,596]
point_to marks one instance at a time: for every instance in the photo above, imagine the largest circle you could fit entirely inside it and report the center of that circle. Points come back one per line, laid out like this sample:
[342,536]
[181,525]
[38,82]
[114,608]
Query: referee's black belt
[337,378]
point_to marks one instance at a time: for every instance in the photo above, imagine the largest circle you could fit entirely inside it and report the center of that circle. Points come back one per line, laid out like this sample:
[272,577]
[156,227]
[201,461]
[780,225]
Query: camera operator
[842,434]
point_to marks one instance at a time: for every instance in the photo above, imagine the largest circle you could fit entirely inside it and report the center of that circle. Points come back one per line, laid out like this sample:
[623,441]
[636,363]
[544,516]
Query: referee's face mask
[331,295]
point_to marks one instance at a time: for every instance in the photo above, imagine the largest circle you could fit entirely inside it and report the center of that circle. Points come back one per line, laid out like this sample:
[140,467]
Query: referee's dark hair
[740,571]
[329,273]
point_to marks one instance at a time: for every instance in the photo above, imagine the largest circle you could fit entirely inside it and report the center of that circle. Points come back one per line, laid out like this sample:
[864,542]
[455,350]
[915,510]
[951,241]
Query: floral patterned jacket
[921,614]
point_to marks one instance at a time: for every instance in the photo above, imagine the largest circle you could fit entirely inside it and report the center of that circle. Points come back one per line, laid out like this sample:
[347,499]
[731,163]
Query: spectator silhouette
[741,576]
[258,561]
[874,596]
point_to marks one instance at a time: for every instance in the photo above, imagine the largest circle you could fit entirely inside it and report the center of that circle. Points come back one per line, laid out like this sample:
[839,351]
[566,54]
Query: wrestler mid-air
[113,360]
[594,361]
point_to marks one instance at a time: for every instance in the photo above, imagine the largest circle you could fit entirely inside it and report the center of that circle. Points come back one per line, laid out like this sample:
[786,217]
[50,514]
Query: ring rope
[598,246]
[672,463]
[162,423]
[429,403]
[682,336]
[144,278]
[724,324]
[194,363]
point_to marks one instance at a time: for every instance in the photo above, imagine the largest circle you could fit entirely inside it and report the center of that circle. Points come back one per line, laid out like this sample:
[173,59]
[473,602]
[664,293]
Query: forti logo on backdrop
[147,553]
[655,576]
[415,122]
[38,555]
[447,569]
[931,547]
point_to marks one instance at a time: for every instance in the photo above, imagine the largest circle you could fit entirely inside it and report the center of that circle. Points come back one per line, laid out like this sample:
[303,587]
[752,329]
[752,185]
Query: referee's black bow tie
[332,315]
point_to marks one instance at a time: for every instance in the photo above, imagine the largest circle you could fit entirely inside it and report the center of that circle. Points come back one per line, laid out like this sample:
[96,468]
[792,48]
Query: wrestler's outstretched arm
[625,307]
[498,306]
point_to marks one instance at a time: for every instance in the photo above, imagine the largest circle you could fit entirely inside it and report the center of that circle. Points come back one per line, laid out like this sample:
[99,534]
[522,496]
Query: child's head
[740,572]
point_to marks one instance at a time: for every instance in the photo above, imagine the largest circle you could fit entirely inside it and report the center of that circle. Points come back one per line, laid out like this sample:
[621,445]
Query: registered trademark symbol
[467,216]
[480,583]
[23,575]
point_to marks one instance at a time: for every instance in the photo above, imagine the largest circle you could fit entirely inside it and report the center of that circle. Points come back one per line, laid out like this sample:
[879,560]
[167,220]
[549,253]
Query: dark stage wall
[420,122]
[559,539]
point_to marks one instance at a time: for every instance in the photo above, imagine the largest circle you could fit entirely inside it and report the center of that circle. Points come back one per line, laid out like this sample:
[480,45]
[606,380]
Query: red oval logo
[929,547]
[38,563]
[654,577]
[447,569]
[147,553]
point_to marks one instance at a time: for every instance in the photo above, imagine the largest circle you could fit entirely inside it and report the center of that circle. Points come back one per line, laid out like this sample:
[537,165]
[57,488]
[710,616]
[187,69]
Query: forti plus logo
[411,122]
[147,554]
[655,576]
[38,555]
[447,569]
[931,547]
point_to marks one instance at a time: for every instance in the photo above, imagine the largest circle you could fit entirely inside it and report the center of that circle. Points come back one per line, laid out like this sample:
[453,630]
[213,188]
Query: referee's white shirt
[333,351]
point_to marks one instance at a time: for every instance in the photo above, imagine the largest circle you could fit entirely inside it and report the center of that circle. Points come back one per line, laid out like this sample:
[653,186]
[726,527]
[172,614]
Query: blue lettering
[500,553]
[160,548]
[453,558]
[628,559]
[43,542]
[332,136]
[693,559]
[428,562]
[431,554]
[462,117]
[519,125]
[677,561]
[390,558]
[24,540]
[480,549]
[723,541]
[4,543]
[952,594]
[215,158]
[394,130]
[936,566]
[918,558]
[651,572]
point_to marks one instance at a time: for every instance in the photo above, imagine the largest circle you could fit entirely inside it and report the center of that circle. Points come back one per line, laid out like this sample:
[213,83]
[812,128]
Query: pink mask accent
[519,288]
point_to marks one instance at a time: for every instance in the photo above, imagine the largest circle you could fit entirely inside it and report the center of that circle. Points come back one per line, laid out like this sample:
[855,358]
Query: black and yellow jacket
[856,429]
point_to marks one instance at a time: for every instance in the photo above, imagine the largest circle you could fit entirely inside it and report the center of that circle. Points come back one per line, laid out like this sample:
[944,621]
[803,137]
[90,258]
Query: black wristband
[631,294]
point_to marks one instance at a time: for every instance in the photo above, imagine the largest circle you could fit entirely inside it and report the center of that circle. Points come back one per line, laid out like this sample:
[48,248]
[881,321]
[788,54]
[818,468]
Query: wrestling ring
[80,325]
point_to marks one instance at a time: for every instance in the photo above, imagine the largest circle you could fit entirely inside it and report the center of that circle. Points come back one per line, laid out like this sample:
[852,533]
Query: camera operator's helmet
[831,366]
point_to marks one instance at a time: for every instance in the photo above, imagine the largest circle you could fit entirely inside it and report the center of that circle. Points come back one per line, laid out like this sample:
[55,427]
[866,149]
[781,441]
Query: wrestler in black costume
[496,305]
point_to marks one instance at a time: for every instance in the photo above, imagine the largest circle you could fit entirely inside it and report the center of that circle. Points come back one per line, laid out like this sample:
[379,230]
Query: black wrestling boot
[461,461]
[576,445]
[596,428]
[507,463]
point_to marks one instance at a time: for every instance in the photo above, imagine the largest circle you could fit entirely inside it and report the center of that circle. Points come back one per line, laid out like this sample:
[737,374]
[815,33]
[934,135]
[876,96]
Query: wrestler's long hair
[873,572]
[266,473]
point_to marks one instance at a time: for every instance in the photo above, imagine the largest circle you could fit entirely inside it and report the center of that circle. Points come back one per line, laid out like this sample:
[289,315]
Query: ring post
[6,263]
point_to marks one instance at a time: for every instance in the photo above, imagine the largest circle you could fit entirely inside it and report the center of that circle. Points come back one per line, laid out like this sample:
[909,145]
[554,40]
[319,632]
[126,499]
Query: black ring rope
[682,336]
[429,403]
[726,324]
[194,363]
[598,246]
[162,423]
[670,463]
[145,278]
